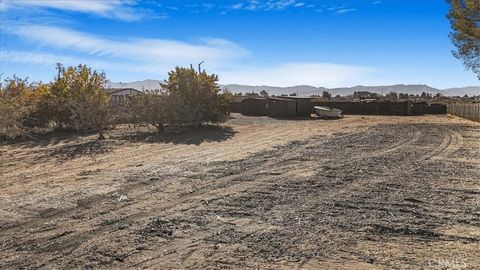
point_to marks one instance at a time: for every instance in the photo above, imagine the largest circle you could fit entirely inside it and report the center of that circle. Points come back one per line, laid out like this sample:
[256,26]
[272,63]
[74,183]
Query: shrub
[149,108]
[194,98]
[19,103]
[77,99]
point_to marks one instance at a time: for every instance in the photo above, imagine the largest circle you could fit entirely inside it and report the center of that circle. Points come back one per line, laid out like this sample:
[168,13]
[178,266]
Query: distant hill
[470,91]
[139,85]
[307,90]
[301,90]
[399,88]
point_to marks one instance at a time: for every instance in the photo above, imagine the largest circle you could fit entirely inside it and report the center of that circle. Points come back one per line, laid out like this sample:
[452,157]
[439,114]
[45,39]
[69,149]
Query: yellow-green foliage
[77,99]
[194,98]
[150,108]
[19,105]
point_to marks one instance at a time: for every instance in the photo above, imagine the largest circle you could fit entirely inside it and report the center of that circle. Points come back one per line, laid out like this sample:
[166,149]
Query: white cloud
[143,58]
[214,51]
[345,10]
[237,6]
[118,9]
[39,58]
[341,9]
[255,5]
[3,6]
[291,74]
[50,59]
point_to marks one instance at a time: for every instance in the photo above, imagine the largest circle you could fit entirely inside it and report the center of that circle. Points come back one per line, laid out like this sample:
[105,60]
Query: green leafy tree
[195,98]
[464,17]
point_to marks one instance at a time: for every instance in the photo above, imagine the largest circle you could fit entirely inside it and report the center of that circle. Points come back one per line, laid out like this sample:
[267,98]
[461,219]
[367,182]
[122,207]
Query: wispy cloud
[115,9]
[214,50]
[255,5]
[41,58]
[44,59]
[343,9]
[237,6]
[145,57]
[152,56]
[141,58]
[289,74]
[377,2]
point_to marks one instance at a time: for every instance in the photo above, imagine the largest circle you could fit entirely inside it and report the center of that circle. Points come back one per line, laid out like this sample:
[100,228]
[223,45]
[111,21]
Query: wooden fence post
[472,111]
[478,111]
[468,111]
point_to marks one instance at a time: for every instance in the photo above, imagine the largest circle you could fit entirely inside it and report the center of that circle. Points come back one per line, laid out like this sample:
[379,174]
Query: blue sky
[331,43]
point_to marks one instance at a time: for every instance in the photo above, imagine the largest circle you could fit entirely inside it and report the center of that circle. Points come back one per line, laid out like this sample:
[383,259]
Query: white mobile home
[118,96]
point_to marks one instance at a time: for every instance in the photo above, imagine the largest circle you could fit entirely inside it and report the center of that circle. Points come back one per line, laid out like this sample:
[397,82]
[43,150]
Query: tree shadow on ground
[48,138]
[69,152]
[182,135]
[66,146]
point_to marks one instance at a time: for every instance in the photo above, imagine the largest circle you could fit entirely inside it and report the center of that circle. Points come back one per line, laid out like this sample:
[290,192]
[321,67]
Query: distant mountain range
[306,90]
[139,85]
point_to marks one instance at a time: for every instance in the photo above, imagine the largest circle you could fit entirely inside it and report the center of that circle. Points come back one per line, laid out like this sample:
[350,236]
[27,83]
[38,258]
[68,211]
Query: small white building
[118,96]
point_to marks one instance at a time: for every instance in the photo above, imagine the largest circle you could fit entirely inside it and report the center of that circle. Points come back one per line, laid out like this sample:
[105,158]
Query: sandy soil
[357,193]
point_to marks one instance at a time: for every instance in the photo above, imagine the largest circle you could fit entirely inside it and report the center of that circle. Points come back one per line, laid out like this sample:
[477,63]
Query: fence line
[469,111]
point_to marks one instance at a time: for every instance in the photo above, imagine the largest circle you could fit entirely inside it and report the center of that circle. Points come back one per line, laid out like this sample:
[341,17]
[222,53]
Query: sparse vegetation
[76,100]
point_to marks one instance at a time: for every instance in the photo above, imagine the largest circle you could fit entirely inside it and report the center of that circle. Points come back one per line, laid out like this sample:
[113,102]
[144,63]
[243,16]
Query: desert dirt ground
[363,192]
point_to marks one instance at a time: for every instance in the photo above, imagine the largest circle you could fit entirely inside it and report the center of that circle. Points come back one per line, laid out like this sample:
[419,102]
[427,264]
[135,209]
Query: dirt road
[358,193]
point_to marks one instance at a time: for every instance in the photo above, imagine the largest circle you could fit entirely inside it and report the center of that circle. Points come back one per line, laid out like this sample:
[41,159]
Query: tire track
[290,171]
[452,141]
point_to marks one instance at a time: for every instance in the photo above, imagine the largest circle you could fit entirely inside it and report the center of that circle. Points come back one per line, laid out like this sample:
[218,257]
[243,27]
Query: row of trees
[76,100]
